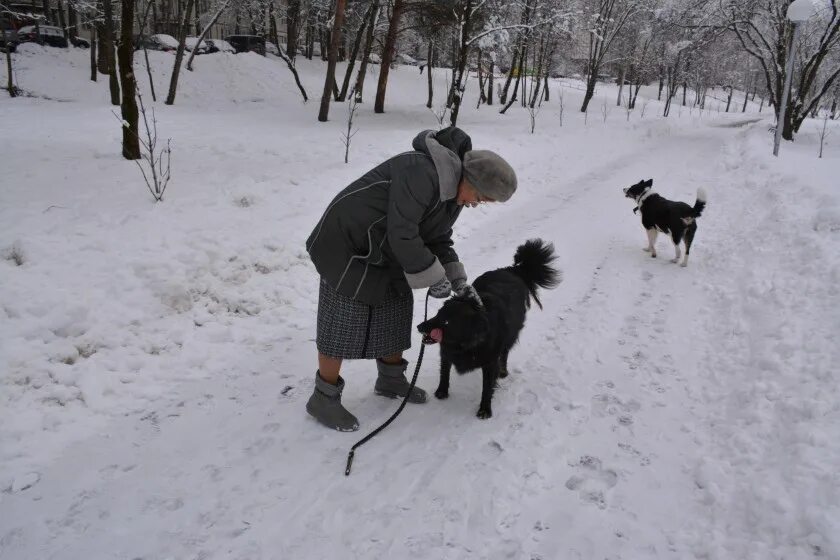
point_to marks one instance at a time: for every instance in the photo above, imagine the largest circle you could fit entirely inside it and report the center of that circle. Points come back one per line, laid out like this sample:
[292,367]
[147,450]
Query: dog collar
[641,199]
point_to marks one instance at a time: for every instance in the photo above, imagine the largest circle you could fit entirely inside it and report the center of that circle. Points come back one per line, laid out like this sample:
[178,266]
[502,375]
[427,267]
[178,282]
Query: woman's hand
[441,289]
[463,289]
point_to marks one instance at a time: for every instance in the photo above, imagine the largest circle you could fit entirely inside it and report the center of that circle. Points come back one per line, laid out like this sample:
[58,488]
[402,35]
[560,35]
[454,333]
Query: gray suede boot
[392,382]
[325,406]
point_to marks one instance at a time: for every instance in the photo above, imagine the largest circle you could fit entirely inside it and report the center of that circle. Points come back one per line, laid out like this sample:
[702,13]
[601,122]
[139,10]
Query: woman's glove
[441,289]
[463,289]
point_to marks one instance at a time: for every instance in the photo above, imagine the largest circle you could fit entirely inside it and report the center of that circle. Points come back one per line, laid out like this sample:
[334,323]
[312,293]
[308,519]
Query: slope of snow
[155,359]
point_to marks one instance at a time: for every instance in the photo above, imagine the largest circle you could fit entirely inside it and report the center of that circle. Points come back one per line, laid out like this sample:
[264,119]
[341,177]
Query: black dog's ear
[648,183]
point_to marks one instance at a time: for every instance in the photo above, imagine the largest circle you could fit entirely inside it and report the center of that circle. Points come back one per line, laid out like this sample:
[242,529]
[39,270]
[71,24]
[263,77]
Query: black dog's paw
[442,393]
[484,413]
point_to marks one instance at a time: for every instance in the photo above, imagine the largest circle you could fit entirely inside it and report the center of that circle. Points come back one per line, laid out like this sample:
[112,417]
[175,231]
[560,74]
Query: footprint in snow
[593,481]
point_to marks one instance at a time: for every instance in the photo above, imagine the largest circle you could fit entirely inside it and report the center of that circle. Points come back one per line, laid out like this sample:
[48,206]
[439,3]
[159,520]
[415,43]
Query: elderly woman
[387,233]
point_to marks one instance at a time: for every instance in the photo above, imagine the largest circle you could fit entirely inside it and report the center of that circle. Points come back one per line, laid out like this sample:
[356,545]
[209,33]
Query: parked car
[247,43]
[157,42]
[80,42]
[46,34]
[8,40]
[191,43]
[219,45]
[405,59]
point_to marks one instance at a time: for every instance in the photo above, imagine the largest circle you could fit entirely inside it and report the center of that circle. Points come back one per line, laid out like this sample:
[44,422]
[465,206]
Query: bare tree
[605,25]
[290,63]
[823,131]
[179,54]
[369,39]
[10,80]
[329,81]
[143,21]
[108,50]
[348,135]
[388,52]
[210,24]
[128,108]
[155,169]
[765,33]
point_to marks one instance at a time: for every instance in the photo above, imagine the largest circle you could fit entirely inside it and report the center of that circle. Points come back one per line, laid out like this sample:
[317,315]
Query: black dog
[475,336]
[667,216]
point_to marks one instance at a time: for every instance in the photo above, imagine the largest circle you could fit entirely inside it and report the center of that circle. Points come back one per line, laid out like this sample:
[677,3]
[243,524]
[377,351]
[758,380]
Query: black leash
[370,436]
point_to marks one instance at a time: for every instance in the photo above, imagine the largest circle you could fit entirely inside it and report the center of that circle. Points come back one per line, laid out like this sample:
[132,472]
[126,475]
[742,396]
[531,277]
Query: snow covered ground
[155,359]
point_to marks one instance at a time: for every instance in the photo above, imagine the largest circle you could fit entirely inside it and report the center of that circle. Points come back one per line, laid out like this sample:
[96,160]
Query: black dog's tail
[532,263]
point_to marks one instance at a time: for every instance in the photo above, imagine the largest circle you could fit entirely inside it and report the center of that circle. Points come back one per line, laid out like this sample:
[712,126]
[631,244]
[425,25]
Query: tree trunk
[93,69]
[62,23]
[179,54]
[545,85]
[538,73]
[520,67]
[746,98]
[130,115]
[388,56]
[833,109]
[490,75]
[10,82]
[142,29]
[289,62]
[729,99]
[482,98]
[73,20]
[47,18]
[429,66]
[354,54]
[292,25]
[457,92]
[308,40]
[685,89]
[216,17]
[113,80]
[661,83]
[329,82]
[360,77]
[621,74]
[524,68]
[512,97]
[197,24]
[504,93]
[590,92]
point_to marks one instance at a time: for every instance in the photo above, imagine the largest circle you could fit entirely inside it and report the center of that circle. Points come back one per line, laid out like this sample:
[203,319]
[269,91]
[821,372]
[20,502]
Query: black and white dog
[660,214]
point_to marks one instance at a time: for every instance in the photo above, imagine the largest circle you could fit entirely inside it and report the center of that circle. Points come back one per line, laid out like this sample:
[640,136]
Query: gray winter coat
[393,226]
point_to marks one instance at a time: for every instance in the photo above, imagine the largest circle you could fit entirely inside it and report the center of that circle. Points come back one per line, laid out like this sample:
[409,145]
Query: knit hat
[490,174]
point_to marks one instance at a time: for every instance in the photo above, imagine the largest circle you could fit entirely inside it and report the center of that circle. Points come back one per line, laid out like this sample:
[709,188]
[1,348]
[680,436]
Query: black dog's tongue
[434,336]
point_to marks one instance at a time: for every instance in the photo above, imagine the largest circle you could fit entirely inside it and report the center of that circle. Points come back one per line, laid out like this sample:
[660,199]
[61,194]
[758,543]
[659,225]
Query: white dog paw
[684,264]
[675,260]
[646,249]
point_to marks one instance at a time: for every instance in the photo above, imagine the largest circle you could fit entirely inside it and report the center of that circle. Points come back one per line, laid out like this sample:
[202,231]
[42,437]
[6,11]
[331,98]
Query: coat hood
[446,148]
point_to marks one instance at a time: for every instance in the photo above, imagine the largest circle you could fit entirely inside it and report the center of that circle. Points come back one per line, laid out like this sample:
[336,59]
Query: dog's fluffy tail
[532,263]
[700,204]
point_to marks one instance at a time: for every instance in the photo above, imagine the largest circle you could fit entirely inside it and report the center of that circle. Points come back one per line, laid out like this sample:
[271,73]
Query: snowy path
[593,418]
[651,411]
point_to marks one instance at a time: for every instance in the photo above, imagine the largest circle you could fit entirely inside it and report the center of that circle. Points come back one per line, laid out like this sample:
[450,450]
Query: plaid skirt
[353,330]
